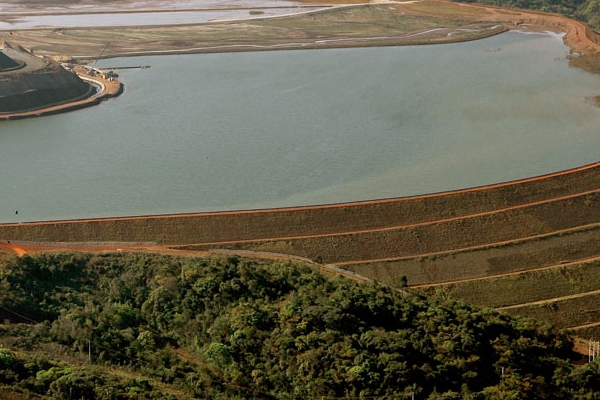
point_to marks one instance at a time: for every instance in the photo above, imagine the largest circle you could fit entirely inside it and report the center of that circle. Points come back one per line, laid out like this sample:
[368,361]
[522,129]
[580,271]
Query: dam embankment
[313,221]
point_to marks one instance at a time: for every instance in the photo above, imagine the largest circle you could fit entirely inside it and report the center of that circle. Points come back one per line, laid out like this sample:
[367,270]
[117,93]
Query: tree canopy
[122,326]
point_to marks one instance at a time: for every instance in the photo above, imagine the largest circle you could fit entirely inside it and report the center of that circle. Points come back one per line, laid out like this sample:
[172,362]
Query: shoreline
[573,32]
[342,205]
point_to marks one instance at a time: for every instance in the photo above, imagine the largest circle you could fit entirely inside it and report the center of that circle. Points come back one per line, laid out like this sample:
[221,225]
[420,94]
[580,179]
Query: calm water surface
[253,130]
[141,18]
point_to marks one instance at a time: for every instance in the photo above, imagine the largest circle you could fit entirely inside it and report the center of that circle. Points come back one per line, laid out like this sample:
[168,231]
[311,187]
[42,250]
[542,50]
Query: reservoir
[212,132]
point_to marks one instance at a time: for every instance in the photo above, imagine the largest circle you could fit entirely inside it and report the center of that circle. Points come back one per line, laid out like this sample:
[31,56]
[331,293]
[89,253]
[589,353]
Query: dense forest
[142,326]
[587,11]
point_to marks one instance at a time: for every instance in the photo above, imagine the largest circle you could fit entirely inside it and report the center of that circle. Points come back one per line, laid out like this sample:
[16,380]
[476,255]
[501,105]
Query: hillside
[457,244]
[132,325]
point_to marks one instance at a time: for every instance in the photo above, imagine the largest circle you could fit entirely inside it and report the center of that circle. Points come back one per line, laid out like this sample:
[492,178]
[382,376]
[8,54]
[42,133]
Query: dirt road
[22,248]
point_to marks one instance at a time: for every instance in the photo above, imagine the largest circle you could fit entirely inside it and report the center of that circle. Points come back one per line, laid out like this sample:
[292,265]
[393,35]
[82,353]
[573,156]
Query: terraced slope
[528,247]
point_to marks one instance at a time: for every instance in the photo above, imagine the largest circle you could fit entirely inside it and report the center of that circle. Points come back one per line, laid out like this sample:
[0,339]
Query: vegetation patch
[588,62]
[130,325]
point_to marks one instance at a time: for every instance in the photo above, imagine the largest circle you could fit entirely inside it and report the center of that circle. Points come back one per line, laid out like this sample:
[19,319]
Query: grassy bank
[527,286]
[566,312]
[445,235]
[488,260]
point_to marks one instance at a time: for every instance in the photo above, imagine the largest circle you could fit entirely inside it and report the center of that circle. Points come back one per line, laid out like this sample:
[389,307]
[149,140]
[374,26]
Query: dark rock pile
[28,82]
